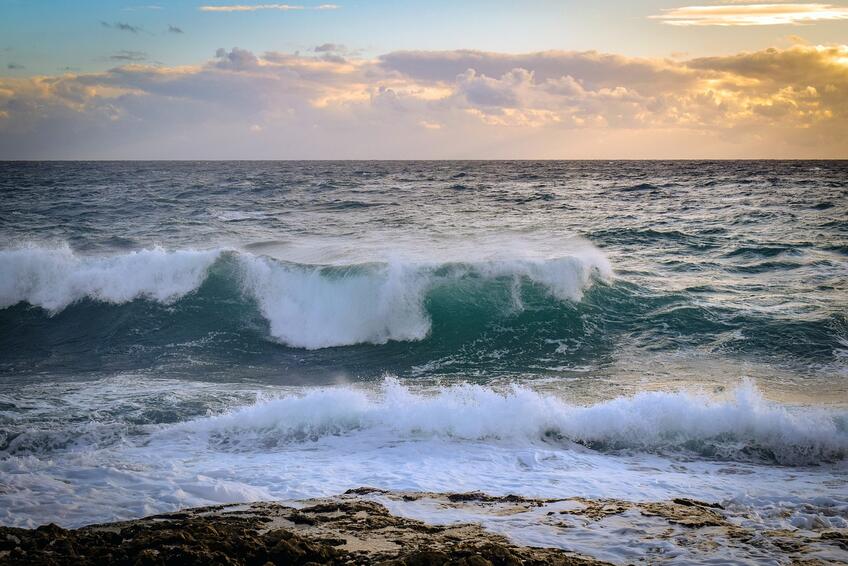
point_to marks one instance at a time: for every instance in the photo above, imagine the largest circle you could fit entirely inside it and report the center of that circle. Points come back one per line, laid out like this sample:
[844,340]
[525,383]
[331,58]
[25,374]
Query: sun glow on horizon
[317,91]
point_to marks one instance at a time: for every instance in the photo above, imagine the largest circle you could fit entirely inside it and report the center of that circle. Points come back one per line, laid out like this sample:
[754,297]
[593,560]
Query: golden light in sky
[752,14]
[742,80]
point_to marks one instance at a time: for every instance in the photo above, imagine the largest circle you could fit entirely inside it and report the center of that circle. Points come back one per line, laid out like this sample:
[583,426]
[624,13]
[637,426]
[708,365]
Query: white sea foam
[742,426]
[313,442]
[307,306]
[53,278]
[313,307]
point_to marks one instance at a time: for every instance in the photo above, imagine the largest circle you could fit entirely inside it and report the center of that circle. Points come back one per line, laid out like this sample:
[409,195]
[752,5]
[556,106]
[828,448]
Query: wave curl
[306,306]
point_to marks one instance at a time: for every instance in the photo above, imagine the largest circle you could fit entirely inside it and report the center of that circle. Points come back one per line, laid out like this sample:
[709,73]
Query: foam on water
[314,442]
[743,426]
[149,380]
[53,278]
[307,306]
[318,307]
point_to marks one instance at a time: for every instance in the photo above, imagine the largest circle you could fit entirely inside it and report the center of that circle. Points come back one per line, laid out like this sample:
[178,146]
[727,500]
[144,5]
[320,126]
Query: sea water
[187,333]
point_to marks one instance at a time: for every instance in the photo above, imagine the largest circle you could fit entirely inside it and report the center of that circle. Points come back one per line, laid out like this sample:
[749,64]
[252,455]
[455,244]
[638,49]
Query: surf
[510,314]
[741,425]
[306,306]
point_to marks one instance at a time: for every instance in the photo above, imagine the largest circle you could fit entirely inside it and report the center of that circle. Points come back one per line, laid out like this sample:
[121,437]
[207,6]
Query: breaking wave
[54,278]
[743,426]
[512,314]
[306,306]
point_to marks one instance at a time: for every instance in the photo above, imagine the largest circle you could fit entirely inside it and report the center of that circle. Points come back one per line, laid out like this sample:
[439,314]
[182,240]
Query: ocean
[176,334]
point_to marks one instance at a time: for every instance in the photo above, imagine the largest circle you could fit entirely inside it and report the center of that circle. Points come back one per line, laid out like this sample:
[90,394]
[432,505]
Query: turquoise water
[741,261]
[176,334]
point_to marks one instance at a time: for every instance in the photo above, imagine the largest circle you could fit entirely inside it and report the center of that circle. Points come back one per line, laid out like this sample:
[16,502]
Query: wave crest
[307,306]
[318,307]
[744,426]
[55,278]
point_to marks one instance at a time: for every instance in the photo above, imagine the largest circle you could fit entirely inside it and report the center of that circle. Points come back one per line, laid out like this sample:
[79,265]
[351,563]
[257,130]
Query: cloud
[15,66]
[430,125]
[236,59]
[333,52]
[250,7]
[596,69]
[122,26]
[255,7]
[480,90]
[174,29]
[779,102]
[129,56]
[329,48]
[752,14]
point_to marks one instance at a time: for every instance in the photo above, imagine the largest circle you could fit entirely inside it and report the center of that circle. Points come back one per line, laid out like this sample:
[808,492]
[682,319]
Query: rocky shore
[359,528]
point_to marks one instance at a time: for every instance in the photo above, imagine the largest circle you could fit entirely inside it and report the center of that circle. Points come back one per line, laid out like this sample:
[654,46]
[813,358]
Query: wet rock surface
[344,530]
[373,526]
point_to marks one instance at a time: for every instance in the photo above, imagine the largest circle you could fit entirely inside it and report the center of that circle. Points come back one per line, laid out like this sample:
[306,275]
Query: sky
[357,79]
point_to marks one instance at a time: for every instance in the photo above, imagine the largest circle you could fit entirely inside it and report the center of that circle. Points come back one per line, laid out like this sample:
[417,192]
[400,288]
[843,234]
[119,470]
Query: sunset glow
[779,98]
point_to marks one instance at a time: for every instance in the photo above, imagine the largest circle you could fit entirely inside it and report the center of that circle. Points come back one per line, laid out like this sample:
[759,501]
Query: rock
[835,537]
[695,503]
[345,530]
[688,515]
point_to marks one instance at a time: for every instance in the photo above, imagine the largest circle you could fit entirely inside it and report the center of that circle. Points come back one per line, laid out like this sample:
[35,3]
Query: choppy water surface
[175,334]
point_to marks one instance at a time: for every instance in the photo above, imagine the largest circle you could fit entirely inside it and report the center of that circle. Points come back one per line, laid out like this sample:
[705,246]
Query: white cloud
[752,14]
[790,102]
[430,125]
[255,7]
[144,7]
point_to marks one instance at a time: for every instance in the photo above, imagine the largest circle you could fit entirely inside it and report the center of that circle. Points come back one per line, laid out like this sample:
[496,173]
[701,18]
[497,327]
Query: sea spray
[54,278]
[740,426]
[128,379]
[307,306]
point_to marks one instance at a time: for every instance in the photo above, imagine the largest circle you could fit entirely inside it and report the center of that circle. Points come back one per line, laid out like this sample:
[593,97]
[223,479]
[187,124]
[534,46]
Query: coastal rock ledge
[354,528]
[343,530]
